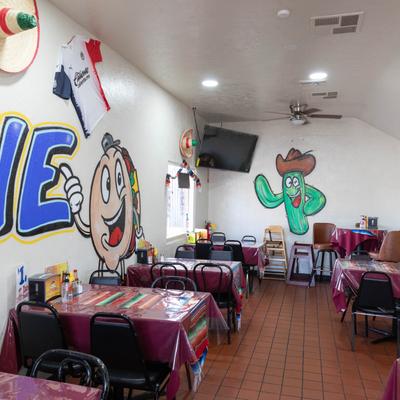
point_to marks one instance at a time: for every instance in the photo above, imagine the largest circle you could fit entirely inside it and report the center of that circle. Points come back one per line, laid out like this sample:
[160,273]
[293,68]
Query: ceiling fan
[299,113]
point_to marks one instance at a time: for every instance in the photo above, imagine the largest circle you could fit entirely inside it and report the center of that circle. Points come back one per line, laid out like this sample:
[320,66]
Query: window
[179,205]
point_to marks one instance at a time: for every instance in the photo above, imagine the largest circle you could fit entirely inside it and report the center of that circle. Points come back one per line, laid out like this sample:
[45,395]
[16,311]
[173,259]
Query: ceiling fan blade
[332,116]
[280,113]
[275,119]
[311,111]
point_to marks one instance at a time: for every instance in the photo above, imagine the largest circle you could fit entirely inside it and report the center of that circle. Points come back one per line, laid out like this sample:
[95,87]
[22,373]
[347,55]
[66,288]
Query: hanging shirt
[76,78]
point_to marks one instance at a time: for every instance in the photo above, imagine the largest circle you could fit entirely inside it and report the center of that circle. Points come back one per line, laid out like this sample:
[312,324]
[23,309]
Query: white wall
[146,119]
[357,170]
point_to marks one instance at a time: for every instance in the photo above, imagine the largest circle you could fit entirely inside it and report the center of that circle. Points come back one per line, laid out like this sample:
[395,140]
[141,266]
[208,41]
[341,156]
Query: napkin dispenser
[44,287]
[373,222]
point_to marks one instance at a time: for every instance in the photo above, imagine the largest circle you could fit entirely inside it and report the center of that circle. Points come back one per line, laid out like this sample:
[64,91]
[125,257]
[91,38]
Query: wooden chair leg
[322,265]
[366,326]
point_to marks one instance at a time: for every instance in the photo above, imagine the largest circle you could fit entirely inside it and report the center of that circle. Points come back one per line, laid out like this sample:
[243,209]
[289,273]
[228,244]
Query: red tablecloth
[347,240]
[253,254]
[139,276]
[392,389]
[25,388]
[348,273]
[163,323]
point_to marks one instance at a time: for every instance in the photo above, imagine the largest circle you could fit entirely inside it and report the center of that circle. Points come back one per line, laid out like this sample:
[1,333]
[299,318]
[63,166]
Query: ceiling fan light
[297,121]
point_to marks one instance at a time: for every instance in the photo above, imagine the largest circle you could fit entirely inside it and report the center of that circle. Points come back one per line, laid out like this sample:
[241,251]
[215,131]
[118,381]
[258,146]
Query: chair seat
[323,246]
[158,373]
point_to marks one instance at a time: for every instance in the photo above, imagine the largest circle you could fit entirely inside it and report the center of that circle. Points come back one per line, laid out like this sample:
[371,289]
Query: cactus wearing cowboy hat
[301,200]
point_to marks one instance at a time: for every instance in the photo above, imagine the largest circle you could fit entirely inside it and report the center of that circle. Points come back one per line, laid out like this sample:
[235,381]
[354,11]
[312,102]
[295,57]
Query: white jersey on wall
[76,78]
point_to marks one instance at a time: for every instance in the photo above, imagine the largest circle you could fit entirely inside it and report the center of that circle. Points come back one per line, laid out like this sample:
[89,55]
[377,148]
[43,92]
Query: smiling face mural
[301,200]
[114,208]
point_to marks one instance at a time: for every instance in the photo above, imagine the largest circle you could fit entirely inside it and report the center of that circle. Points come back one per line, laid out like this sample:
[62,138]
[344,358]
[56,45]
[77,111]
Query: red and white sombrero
[187,143]
[19,34]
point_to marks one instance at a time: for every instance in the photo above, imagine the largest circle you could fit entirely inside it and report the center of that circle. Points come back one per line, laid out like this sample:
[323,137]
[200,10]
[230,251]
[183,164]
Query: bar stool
[300,251]
[322,232]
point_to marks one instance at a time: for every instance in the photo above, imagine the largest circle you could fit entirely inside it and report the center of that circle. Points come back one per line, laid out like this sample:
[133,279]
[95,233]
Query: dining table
[172,326]
[139,275]
[392,388]
[348,240]
[253,254]
[348,273]
[21,387]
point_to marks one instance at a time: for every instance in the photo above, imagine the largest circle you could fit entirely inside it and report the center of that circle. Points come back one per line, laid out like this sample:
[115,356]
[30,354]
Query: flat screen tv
[226,149]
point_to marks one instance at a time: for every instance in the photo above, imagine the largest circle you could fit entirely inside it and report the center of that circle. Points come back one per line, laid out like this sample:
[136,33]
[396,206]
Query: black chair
[238,256]
[202,249]
[105,277]
[221,253]
[218,238]
[375,299]
[220,288]
[249,239]
[115,341]
[39,330]
[184,251]
[178,282]
[90,370]
[168,269]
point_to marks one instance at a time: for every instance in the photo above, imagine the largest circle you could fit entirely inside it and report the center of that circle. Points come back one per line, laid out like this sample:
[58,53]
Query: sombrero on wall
[187,143]
[19,34]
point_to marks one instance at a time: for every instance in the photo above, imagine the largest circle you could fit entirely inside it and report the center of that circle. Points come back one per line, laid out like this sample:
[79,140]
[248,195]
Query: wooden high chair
[275,249]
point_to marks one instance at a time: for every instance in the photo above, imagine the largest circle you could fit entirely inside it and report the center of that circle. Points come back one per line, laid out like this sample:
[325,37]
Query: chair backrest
[175,282]
[221,253]
[184,251]
[322,232]
[274,233]
[105,277]
[92,371]
[375,291]
[249,239]
[390,249]
[39,330]
[202,250]
[218,238]
[168,269]
[237,249]
[215,278]
[114,340]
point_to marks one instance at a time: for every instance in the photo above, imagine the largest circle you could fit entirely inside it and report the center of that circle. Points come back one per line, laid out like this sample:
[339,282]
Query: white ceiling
[257,58]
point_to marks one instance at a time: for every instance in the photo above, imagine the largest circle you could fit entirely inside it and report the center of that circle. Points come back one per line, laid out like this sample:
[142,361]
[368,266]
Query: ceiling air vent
[336,24]
[326,95]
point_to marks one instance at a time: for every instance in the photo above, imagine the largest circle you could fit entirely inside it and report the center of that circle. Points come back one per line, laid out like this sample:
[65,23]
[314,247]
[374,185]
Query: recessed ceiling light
[318,76]
[283,13]
[209,83]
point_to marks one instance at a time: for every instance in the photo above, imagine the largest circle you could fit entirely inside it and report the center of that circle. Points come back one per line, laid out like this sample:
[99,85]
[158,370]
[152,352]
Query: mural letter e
[39,210]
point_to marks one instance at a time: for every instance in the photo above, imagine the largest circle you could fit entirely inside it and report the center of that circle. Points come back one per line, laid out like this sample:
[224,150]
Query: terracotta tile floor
[292,346]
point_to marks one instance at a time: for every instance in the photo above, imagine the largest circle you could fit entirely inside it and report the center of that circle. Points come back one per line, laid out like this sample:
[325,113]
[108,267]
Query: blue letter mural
[31,157]
[36,212]
[12,141]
